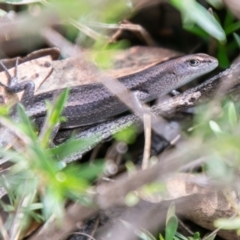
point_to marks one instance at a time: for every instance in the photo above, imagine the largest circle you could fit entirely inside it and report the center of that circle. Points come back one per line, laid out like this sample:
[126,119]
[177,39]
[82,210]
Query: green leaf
[127,135]
[229,19]
[171,228]
[53,204]
[102,11]
[197,31]
[170,212]
[226,223]
[53,117]
[87,171]
[237,39]
[196,236]
[11,155]
[179,236]
[212,237]
[192,12]
[42,161]
[2,13]
[223,56]
[71,147]
[216,167]
[4,110]
[232,115]
[215,127]
[216,3]
[67,182]
[104,59]
[145,236]
[161,237]
[25,122]
[232,28]
[153,190]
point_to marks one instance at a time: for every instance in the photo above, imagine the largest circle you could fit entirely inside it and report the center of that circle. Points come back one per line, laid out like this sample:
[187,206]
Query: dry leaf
[77,71]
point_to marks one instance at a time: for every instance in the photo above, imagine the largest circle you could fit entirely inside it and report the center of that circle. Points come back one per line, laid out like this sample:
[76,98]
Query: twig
[147,145]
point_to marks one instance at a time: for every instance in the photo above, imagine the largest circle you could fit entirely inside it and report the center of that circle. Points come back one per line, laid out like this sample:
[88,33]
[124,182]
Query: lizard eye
[194,62]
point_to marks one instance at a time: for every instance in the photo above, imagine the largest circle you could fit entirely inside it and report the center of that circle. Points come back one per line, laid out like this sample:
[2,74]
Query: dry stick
[53,38]
[147,144]
[125,25]
[88,31]
[84,234]
[140,32]
[19,26]
[3,230]
[17,226]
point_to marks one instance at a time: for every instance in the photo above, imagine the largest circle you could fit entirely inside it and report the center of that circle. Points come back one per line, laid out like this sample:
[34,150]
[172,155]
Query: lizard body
[92,103]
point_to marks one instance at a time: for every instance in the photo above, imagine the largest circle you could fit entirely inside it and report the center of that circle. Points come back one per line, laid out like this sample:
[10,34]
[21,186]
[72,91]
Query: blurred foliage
[217,130]
[172,225]
[36,175]
[199,21]
[193,12]
[217,133]
[196,19]
[228,224]
[127,135]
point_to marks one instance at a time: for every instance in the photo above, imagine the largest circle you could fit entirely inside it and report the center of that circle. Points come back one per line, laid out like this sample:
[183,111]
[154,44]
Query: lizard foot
[13,80]
[14,86]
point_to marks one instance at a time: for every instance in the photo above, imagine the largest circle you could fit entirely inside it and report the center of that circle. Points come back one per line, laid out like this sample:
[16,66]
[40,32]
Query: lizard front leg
[140,97]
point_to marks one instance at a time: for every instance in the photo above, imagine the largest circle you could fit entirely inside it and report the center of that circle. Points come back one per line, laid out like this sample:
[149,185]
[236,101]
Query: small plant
[38,185]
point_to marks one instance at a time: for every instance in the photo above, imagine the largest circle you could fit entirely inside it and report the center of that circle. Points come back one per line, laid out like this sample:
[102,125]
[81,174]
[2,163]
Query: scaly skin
[93,103]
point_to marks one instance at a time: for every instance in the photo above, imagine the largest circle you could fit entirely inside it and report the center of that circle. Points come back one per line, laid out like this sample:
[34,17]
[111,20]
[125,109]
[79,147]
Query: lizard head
[190,67]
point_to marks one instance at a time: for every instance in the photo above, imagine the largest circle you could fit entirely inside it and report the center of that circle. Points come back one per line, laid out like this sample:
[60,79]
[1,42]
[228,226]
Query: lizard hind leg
[12,79]
[14,86]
